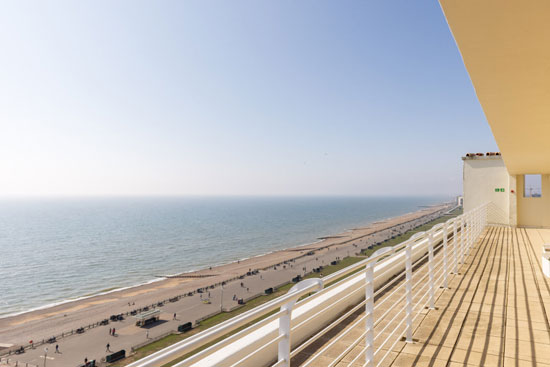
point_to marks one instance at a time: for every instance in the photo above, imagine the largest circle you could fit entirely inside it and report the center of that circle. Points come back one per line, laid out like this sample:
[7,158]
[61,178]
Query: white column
[284,330]
[455,247]
[445,267]
[408,290]
[469,231]
[284,320]
[462,239]
[431,268]
[369,315]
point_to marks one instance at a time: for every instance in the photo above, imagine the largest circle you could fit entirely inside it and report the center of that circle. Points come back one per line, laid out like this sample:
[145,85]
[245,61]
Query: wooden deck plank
[495,312]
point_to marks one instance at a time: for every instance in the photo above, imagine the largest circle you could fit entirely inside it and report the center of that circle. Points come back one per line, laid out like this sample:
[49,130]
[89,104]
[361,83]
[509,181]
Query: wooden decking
[495,312]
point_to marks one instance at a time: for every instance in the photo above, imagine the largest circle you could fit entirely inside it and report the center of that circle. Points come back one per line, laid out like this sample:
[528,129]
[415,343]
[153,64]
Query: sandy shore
[43,323]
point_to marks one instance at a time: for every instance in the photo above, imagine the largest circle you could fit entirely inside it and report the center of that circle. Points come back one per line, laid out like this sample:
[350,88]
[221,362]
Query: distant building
[516,199]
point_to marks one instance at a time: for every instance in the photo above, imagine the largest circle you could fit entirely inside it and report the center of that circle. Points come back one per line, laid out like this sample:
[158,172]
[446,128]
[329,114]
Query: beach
[265,271]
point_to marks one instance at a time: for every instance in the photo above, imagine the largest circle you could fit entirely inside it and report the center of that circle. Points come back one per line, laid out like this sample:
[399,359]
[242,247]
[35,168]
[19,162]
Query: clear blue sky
[233,98]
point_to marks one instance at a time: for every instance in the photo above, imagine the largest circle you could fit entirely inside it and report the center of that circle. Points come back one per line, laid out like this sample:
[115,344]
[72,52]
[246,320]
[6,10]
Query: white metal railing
[424,262]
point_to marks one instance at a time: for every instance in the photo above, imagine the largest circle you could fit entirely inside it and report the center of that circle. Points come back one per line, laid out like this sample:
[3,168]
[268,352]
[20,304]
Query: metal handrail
[393,261]
[188,345]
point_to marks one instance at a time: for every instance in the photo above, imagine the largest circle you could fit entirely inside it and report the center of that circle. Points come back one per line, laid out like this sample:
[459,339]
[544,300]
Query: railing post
[465,229]
[462,239]
[408,290]
[284,329]
[455,248]
[474,227]
[478,224]
[445,266]
[369,315]
[481,224]
[473,224]
[469,232]
[473,234]
[431,268]
[285,318]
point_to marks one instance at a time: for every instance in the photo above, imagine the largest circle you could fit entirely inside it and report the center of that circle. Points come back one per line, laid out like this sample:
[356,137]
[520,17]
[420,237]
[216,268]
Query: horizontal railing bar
[188,345]
[347,350]
[335,340]
[389,322]
[390,349]
[326,309]
[377,305]
[389,284]
[376,322]
[389,263]
[279,363]
[323,331]
[391,334]
[238,363]
[230,338]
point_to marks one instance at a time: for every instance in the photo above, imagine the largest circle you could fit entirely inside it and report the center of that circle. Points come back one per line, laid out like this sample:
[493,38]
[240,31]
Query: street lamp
[45,355]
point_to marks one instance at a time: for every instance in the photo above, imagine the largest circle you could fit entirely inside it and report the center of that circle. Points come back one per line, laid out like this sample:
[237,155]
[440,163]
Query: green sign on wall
[500,189]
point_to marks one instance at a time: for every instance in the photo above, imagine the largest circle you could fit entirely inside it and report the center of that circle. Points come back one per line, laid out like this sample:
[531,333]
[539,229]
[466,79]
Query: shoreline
[335,237]
[89,310]
[160,278]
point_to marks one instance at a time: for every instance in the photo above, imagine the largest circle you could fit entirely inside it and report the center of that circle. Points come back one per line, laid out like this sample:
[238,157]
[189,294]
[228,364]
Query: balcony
[494,313]
[461,294]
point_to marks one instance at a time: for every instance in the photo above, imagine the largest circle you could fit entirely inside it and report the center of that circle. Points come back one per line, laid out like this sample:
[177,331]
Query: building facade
[515,199]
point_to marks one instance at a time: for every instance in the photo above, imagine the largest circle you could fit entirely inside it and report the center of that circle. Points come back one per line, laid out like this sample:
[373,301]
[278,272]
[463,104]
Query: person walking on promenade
[108,347]
[174,315]
[113,331]
[110,331]
[85,361]
[147,334]
[57,348]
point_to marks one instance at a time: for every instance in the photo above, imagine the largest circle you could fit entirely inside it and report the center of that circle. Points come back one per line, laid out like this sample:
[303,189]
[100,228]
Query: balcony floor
[495,312]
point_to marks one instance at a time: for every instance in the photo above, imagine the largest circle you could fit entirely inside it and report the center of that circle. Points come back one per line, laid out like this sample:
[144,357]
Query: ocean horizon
[60,249]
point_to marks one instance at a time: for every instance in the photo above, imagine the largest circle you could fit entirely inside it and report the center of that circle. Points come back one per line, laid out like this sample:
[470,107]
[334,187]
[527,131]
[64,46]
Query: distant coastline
[321,243]
[156,275]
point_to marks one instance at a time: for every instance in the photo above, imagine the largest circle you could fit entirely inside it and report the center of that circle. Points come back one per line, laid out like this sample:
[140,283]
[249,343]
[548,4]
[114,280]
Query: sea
[57,250]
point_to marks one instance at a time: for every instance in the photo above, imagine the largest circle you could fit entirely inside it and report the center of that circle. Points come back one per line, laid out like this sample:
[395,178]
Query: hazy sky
[233,98]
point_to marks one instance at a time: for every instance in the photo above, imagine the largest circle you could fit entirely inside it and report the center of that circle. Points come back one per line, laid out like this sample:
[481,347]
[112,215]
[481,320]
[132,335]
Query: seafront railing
[392,288]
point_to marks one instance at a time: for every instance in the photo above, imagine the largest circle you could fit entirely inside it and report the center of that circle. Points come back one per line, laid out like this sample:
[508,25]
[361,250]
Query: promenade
[92,343]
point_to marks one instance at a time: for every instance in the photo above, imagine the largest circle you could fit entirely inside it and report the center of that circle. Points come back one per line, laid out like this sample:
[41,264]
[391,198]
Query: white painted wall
[533,211]
[482,175]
